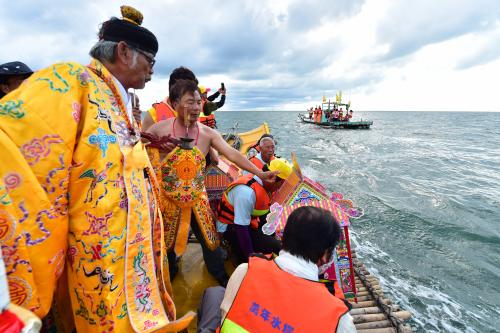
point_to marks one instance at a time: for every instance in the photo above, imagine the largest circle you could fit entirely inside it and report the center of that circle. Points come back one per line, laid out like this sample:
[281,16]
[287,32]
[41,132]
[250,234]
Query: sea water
[429,183]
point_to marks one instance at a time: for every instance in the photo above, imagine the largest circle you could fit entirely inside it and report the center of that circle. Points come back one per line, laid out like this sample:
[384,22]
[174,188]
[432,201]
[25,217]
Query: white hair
[104,50]
[264,139]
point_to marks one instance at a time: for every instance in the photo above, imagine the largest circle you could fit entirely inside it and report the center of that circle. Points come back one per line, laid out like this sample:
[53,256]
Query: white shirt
[126,99]
[291,264]
[259,156]
[297,266]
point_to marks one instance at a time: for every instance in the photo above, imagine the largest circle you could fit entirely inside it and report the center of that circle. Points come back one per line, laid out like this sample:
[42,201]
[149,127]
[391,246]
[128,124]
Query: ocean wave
[433,310]
[430,187]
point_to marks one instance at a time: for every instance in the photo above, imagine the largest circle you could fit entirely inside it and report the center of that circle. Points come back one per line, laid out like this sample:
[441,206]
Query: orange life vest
[163,111]
[282,303]
[207,120]
[258,162]
[225,212]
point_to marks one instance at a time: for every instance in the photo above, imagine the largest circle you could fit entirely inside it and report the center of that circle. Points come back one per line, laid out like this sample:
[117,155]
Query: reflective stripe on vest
[225,211]
[163,111]
[284,303]
[202,110]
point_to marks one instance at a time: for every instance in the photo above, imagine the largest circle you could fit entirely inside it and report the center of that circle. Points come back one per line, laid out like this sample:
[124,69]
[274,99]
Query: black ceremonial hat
[15,68]
[129,30]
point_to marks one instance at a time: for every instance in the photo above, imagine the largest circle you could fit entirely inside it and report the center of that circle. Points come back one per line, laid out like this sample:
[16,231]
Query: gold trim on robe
[183,193]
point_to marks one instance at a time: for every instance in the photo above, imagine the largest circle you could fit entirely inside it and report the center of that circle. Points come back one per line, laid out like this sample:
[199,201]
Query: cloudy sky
[286,54]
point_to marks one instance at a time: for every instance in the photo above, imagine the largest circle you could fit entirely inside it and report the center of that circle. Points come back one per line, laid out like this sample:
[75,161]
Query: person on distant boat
[164,110]
[341,114]
[328,113]
[311,112]
[319,113]
[207,116]
[350,115]
[283,294]
[243,209]
[184,200]
[335,115]
[12,74]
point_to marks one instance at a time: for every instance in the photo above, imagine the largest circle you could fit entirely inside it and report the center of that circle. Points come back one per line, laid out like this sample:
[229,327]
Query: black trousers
[213,259]
[261,242]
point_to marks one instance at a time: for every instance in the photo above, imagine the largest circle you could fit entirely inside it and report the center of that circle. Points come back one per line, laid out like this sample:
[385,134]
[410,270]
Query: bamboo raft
[374,313]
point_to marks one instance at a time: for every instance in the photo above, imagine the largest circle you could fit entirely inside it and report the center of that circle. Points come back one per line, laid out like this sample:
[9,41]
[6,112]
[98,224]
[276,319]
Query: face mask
[323,268]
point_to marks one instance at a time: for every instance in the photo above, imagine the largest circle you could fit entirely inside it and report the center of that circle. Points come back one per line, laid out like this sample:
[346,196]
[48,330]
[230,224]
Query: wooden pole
[374,324]
[372,309]
[365,288]
[364,318]
[363,304]
[379,330]
[367,293]
[367,310]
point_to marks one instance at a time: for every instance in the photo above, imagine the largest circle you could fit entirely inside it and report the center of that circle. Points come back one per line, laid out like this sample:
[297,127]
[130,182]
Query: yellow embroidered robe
[76,179]
[183,192]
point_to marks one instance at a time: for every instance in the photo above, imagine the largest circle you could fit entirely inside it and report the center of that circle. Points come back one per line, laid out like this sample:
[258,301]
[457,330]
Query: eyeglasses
[148,57]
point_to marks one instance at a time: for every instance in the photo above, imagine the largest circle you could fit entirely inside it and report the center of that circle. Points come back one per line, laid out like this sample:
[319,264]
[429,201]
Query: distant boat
[332,115]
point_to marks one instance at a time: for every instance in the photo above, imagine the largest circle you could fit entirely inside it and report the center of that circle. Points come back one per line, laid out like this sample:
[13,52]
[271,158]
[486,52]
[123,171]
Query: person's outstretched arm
[237,158]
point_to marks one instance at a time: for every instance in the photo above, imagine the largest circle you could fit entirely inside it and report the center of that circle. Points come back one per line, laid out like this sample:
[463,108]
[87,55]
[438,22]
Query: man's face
[141,69]
[189,106]
[267,150]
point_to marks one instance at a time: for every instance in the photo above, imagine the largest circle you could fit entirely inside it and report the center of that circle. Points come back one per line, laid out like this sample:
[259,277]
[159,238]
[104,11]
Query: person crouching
[243,209]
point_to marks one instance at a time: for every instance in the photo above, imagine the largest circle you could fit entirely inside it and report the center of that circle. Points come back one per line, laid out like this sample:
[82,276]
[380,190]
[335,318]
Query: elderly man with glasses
[84,247]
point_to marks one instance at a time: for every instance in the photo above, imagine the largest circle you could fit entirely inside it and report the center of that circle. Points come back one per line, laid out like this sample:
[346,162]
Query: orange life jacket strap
[163,111]
[208,121]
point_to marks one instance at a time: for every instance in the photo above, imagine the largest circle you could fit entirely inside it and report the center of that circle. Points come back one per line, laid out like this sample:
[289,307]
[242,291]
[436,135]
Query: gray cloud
[245,41]
[407,28]
[266,51]
[310,14]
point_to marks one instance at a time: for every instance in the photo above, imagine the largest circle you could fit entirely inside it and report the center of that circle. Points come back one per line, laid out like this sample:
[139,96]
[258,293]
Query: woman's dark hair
[309,232]
[180,88]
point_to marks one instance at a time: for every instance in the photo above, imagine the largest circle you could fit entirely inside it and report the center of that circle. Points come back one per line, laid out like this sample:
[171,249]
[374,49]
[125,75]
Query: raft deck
[373,313]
